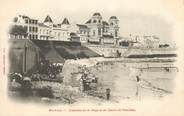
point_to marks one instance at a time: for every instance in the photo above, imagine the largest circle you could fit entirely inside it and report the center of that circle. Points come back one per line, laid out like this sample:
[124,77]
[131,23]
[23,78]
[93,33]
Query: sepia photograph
[99,53]
[66,63]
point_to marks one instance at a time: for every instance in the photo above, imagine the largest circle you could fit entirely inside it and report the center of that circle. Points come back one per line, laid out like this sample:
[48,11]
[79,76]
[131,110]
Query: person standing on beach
[137,78]
[108,93]
[137,87]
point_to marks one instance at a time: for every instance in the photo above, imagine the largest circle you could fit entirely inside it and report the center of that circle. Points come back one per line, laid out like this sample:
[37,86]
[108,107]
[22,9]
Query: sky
[136,17]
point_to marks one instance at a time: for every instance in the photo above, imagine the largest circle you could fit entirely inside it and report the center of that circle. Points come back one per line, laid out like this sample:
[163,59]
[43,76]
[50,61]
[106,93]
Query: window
[80,31]
[116,33]
[99,21]
[35,21]
[36,29]
[93,32]
[33,29]
[30,29]
[26,21]
[99,31]
[94,21]
[33,36]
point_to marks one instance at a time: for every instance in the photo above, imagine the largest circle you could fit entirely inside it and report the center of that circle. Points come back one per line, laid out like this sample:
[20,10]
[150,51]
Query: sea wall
[107,50]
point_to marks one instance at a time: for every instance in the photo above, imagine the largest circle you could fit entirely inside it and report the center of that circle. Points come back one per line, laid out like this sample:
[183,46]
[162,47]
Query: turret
[113,21]
[96,18]
[114,26]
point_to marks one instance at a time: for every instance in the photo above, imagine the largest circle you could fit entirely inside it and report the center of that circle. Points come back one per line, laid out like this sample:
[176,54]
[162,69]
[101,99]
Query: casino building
[104,32]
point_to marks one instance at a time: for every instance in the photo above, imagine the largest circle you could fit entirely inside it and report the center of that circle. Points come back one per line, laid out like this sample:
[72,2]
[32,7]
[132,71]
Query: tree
[18,30]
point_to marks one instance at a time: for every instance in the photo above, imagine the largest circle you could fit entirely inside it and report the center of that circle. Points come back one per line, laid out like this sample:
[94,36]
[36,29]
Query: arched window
[94,21]
[99,31]
[93,32]
[116,33]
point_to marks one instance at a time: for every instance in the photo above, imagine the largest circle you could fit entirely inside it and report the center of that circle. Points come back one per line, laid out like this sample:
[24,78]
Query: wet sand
[121,79]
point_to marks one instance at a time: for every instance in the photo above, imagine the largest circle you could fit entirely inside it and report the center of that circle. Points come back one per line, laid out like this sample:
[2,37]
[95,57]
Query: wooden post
[25,58]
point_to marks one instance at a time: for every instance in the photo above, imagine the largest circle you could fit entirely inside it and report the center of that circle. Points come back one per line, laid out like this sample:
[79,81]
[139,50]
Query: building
[50,31]
[95,30]
[82,31]
[24,27]
[45,29]
[102,31]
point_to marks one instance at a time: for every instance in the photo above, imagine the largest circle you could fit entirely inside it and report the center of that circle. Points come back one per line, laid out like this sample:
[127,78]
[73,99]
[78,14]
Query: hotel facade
[95,30]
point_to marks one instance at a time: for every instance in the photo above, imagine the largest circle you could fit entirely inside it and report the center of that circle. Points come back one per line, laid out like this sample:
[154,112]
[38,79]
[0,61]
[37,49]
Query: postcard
[91,57]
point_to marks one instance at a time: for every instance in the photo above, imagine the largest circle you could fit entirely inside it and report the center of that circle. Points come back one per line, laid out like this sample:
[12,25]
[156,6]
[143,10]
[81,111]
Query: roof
[65,21]
[104,23]
[23,16]
[82,26]
[65,49]
[48,19]
[113,17]
[89,21]
[42,25]
[55,51]
[53,56]
[96,14]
